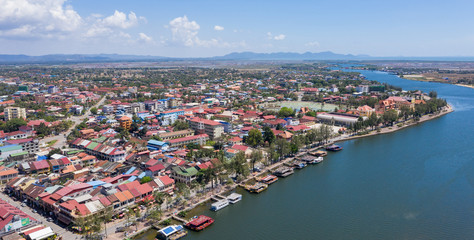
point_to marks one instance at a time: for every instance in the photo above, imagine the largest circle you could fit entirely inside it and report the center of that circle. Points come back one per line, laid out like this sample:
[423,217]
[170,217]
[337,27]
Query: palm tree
[107,216]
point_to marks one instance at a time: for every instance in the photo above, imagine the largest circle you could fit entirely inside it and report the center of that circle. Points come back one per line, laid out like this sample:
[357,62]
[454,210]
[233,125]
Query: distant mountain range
[237,56]
[292,56]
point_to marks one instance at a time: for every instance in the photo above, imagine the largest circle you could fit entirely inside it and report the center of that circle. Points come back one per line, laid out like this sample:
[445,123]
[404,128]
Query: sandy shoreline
[422,78]
[196,202]
[464,85]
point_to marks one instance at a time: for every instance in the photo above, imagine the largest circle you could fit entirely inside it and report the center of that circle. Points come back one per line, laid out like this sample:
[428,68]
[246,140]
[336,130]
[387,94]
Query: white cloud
[119,20]
[22,19]
[184,31]
[276,37]
[30,18]
[279,37]
[312,44]
[218,28]
[112,24]
[145,38]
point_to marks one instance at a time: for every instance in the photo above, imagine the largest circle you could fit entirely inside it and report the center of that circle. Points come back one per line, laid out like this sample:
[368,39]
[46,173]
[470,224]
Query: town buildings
[14,112]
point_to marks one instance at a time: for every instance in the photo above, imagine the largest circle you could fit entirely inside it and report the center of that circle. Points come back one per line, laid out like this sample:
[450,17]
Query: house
[39,167]
[155,170]
[163,184]
[7,174]
[184,175]
[365,110]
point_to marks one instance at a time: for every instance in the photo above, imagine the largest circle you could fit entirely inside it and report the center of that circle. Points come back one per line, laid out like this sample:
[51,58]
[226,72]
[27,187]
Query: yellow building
[125,122]
[14,112]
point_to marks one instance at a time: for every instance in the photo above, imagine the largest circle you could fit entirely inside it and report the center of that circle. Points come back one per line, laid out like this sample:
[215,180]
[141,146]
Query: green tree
[180,125]
[107,217]
[286,112]
[255,157]
[282,147]
[268,135]
[254,138]
[14,124]
[239,164]
[390,116]
[43,130]
[54,151]
[94,110]
[146,179]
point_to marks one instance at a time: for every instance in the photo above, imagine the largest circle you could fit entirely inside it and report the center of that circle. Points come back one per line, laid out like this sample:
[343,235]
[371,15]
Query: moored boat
[334,148]
[256,188]
[299,165]
[311,159]
[319,153]
[234,198]
[269,179]
[199,223]
[219,205]
[283,171]
[173,232]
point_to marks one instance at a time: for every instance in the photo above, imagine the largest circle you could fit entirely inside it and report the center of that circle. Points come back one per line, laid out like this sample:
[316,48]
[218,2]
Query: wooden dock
[217,197]
[179,219]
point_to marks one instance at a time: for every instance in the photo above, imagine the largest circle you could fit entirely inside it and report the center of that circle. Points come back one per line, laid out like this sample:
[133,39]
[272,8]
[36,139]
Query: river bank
[422,78]
[268,169]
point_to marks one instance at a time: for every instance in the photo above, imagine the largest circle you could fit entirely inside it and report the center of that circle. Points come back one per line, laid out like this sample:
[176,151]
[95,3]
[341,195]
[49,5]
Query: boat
[299,165]
[283,171]
[234,198]
[318,160]
[199,223]
[256,188]
[219,205]
[334,148]
[319,153]
[269,179]
[173,232]
[311,159]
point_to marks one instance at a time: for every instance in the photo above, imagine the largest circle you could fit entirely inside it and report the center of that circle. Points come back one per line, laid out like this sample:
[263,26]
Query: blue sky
[202,28]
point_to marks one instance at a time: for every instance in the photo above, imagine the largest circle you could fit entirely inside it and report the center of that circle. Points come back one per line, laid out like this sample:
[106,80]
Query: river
[417,183]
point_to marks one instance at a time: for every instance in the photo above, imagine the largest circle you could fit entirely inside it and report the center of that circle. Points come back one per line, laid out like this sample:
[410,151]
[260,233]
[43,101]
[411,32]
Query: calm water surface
[417,183]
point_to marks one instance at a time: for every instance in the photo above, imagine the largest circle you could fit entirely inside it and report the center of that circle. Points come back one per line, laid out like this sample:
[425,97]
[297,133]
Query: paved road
[61,138]
[57,229]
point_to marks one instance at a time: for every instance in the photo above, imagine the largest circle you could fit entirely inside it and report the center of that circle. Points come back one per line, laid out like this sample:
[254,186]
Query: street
[57,229]
[61,138]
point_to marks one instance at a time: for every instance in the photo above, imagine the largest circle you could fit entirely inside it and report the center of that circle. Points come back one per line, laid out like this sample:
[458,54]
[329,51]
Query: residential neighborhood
[78,145]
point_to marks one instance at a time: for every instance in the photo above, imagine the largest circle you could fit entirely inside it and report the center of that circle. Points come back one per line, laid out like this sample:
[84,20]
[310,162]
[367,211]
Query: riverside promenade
[168,214]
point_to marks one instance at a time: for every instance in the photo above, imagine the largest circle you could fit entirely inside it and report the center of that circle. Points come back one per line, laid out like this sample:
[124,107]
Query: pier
[179,219]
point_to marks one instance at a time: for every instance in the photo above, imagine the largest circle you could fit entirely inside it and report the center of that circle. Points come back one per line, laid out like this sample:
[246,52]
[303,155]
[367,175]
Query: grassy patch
[51,143]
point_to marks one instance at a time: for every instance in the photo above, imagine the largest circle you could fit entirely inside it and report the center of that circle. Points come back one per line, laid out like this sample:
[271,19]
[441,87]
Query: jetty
[218,197]
[179,219]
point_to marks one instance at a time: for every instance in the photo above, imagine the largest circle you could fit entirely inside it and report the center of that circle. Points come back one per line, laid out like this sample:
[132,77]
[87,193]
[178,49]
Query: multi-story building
[137,107]
[53,89]
[29,145]
[125,122]
[14,112]
[108,109]
[169,117]
[177,134]
[212,128]
[197,139]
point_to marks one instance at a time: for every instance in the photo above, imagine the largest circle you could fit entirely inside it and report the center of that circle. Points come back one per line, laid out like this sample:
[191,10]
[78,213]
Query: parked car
[23,205]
